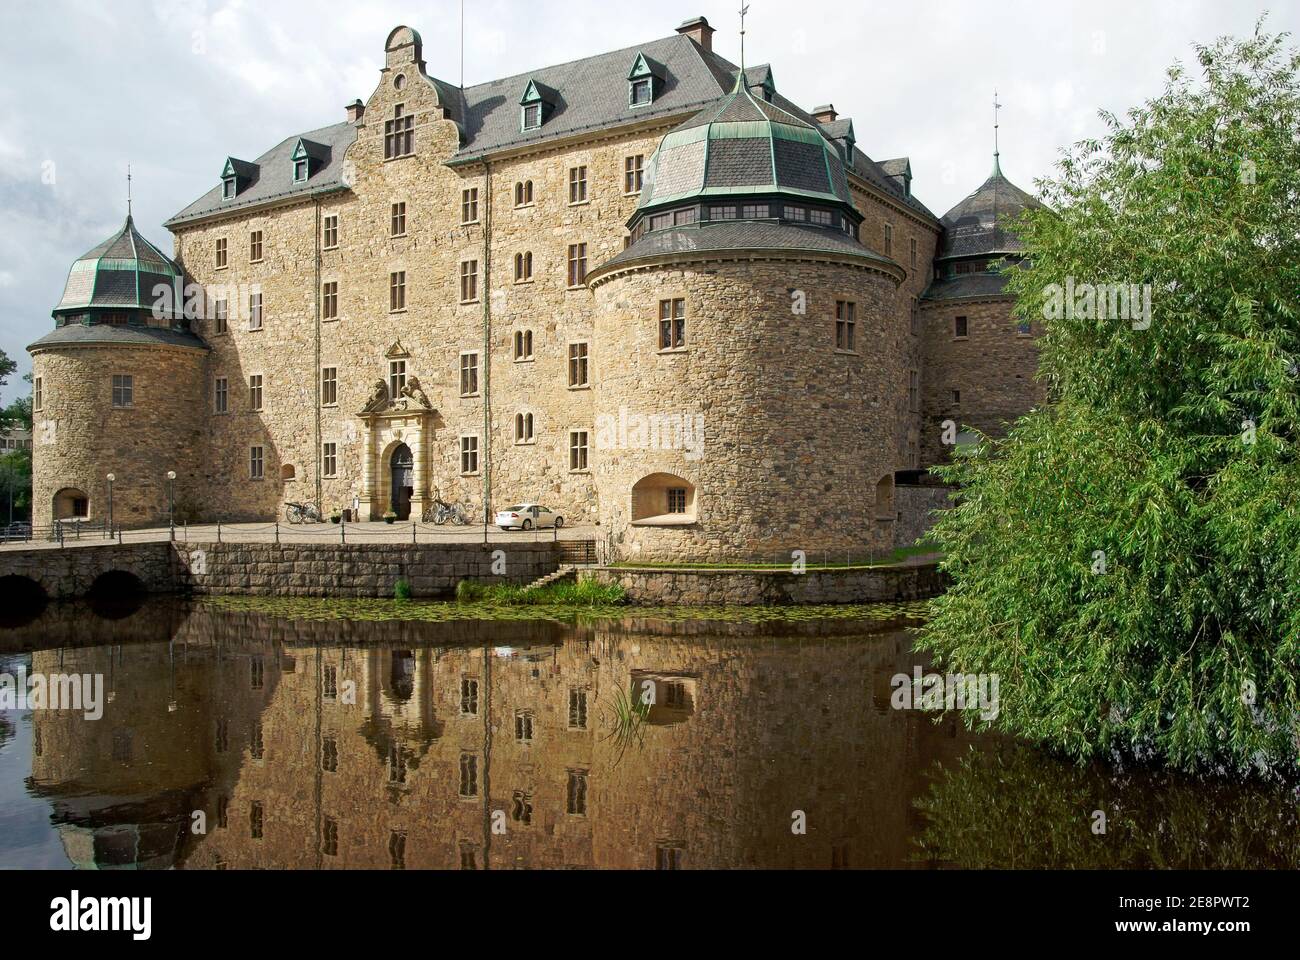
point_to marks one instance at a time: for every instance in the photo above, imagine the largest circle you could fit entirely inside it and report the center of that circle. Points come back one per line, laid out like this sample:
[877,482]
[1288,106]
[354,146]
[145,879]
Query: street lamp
[110,479]
[171,502]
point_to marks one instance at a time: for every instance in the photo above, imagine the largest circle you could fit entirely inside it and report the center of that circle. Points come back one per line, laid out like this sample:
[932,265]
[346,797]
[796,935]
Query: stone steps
[565,571]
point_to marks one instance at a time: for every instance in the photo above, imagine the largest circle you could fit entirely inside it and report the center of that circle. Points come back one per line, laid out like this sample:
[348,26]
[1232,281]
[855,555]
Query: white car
[528,516]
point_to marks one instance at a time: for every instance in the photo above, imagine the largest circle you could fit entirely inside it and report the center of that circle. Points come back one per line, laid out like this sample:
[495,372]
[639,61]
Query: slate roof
[967,286]
[273,175]
[976,226]
[732,235]
[99,333]
[589,94]
[122,272]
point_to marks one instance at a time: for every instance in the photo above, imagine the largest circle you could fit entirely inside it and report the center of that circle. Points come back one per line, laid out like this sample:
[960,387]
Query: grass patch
[331,608]
[587,593]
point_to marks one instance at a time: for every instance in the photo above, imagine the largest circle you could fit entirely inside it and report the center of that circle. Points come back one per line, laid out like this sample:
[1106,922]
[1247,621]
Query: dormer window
[236,176]
[536,105]
[228,188]
[308,157]
[300,171]
[645,79]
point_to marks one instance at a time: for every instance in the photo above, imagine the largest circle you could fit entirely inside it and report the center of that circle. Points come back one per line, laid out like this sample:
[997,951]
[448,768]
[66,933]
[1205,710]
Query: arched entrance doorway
[71,504]
[402,463]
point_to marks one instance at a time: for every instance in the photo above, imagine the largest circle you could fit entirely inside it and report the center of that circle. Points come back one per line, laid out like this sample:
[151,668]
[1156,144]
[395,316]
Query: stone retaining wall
[357,570]
[748,587]
[914,505]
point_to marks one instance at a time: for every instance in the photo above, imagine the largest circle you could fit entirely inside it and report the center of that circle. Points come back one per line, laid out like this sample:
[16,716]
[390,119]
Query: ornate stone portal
[392,420]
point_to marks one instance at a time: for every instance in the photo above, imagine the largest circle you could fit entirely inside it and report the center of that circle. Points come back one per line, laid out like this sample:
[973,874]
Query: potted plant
[336,515]
[389,516]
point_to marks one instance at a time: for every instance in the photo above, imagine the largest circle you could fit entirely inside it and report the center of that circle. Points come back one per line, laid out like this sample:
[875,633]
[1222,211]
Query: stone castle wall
[80,437]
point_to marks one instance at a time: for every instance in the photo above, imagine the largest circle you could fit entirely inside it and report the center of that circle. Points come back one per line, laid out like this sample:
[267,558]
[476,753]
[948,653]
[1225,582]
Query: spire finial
[997,166]
[744,9]
[128,191]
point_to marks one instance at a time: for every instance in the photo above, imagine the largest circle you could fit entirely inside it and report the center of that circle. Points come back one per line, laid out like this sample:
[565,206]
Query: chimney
[356,110]
[825,114]
[699,31]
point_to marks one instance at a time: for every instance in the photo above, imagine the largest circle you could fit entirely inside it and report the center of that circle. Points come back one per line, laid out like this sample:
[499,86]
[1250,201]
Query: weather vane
[128,190]
[744,9]
[996,107]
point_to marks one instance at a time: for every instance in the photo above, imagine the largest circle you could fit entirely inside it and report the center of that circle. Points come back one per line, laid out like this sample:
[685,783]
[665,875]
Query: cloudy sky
[173,87]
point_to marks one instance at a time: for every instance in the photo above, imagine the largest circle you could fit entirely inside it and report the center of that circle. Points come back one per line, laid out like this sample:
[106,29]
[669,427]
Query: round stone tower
[753,385]
[118,389]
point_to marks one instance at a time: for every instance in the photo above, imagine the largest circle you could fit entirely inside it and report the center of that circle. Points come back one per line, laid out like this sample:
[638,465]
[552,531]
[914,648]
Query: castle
[643,288]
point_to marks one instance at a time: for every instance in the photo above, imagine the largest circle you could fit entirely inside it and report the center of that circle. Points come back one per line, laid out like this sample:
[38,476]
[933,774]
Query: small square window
[960,328]
[469,455]
[123,390]
[578,184]
[672,324]
[577,450]
[532,116]
[642,91]
[633,173]
[299,171]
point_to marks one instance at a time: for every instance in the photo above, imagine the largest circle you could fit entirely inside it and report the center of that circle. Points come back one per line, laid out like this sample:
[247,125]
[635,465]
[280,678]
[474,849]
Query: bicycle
[301,512]
[439,512]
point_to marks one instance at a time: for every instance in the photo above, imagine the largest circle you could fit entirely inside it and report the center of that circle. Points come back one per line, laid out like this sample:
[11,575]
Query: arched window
[523,193]
[523,267]
[71,503]
[664,499]
[523,428]
[885,498]
[287,472]
[523,344]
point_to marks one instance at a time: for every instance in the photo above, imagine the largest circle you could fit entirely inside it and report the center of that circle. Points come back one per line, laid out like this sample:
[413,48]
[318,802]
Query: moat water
[240,739]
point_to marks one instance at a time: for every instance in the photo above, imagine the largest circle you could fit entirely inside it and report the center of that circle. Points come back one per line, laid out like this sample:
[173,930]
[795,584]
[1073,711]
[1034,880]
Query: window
[633,172]
[220,315]
[577,264]
[820,217]
[845,325]
[469,455]
[329,386]
[468,374]
[523,266]
[576,800]
[330,459]
[299,171]
[331,682]
[754,211]
[676,499]
[329,308]
[256,463]
[469,205]
[221,395]
[642,91]
[661,221]
[397,291]
[577,708]
[397,849]
[796,213]
[330,838]
[577,449]
[396,764]
[255,391]
[255,820]
[397,220]
[524,726]
[532,116]
[221,253]
[521,807]
[256,673]
[956,398]
[523,344]
[399,134]
[668,858]
[468,281]
[255,246]
[913,391]
[523,428]
[1023,329]
[331,230]
[123,390]
[468,697]
[682,217]
[468,775]
[254,311]
[228,188]
[257,742]
[672,324]
[396,377]
[578,184]
[524,193]
[889,239]
[724,212]
[960,328]
[912,244]
[577,364]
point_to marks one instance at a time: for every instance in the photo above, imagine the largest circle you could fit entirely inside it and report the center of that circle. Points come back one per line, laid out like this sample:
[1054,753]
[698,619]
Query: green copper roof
[743,144]
[123,273]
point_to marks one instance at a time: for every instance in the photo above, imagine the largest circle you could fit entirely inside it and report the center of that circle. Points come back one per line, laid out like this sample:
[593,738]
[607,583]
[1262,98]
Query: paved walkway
[368,532]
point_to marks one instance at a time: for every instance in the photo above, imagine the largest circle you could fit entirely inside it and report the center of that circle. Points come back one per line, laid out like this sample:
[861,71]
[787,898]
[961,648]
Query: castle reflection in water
[498,745]
[474,744]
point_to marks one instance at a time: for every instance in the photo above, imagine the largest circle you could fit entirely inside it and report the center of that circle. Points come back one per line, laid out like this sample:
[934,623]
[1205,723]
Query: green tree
[1127,559]
[15,486]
